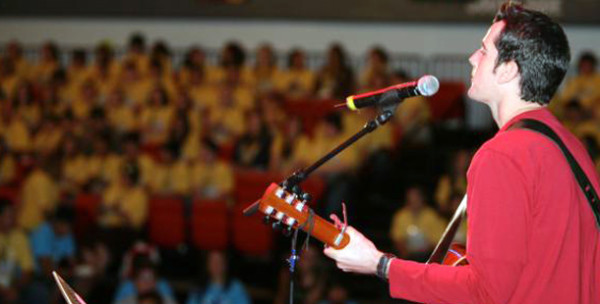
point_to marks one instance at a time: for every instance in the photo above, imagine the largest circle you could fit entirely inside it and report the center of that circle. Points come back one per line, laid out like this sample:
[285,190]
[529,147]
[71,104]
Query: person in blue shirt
[221,287]
[144,278]
[52,242]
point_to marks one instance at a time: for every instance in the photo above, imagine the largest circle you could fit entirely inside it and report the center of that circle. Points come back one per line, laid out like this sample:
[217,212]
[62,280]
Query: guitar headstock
[289,210]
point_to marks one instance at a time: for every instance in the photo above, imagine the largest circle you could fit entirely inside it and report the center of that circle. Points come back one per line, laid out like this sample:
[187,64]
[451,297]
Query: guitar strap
[582,179]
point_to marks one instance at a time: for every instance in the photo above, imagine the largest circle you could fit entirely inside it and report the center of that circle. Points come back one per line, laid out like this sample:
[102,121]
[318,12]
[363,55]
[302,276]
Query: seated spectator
[78,71]
[48,63]
[211,177]
[265,69]
[14,51]
[16,132]
[52,242]
[105,70]
[157,117]
[125,204]
[132,155]
[416,227]
[337,293]
[233,56]
[289,147]
[39,195]
[103,165]
[297,81]
[134,84]
[584,87]
[27,105]
[252,149]
[311,279]
[171,175]
[8,164]
[376,68]
[16,259]
[85,100]
[453,181]
[158,76]
[412,115]
[160,52]
[74,171]
[335,80]
[122,118]
[48,138]
[9,78]
[94,282]
[220,287]
[144,280]
[136,53]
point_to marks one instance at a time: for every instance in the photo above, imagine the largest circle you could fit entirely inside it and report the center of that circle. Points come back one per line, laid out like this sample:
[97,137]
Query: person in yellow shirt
[9,79]
[16,257]
[585,86]
[87,98]
[158,77]
[233,56]
[416,227]
[8,165]
[74,171]
[132,155]
[15,130]
[105,71]
[135,86]
[289,148]
[47,139]
[195,59]
[205,95]
[265,70]
[297,81]
[122,118]
[211,177]
[453,182]
[160,52]
[39,195]
[14,50]
[171,175]
[78,71]
[27,106]
[335,79]
[253,148]
[103,166]
[125,204]
[227,119]
[136,53]
[156,118]
[48,64]
[375,67]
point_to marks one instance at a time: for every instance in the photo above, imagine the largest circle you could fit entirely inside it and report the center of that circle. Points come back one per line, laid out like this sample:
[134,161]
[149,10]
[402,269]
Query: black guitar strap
[584,183]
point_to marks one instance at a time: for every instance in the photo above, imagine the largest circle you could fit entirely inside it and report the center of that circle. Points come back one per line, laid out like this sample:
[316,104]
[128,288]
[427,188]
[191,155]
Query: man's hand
[360,255]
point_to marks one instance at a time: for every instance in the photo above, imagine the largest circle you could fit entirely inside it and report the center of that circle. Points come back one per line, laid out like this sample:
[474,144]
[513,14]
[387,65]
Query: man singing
[532,237]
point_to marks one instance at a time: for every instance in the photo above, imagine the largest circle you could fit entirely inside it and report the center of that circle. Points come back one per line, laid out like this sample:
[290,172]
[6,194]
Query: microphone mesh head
[428,85]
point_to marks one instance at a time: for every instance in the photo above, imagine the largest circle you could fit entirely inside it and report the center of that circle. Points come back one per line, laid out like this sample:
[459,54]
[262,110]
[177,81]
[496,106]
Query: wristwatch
[383,266]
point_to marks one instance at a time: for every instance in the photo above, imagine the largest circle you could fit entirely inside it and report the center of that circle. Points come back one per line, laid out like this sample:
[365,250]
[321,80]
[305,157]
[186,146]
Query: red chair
[166,222]
[448,102]
[10,193]
[251,184]
[210,225]
[86,206]
[250,236]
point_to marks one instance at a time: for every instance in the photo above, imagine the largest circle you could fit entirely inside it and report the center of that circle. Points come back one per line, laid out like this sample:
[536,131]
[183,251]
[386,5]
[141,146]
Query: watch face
[71,297]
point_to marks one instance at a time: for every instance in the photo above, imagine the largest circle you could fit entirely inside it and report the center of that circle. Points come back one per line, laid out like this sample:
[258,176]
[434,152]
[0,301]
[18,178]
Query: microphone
[425,86]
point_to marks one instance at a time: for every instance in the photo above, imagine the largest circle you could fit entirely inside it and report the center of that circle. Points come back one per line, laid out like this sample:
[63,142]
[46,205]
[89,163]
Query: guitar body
[456,256]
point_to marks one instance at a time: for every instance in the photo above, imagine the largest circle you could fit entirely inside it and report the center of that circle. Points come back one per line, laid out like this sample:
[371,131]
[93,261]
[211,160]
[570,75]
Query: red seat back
[166,222]
[250,236]
[210,229]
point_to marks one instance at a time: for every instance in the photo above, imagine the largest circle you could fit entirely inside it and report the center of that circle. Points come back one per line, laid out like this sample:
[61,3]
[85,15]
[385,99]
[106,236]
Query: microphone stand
[292,183]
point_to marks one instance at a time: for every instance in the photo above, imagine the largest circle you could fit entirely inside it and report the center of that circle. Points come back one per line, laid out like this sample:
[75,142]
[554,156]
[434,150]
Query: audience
[127,127]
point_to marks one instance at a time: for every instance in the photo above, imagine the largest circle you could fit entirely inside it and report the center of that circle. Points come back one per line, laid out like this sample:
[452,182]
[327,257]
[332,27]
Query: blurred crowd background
[126,171]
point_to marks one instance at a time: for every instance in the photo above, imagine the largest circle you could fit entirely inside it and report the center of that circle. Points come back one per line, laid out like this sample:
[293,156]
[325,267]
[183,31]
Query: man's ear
[507,72]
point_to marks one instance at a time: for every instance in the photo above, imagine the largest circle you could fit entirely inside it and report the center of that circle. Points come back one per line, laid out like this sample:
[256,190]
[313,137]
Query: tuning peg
[266,220]
[276,226]
[306,196]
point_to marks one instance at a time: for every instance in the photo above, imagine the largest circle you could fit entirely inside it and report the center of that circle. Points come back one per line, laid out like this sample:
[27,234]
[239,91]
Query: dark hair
[589,57]
[64,213]
[4,205]
[153,296]
[79,54]
[538,46]
[137,40]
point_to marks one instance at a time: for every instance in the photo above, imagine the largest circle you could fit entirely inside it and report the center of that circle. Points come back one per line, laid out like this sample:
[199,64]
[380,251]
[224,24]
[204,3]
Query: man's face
[483,61]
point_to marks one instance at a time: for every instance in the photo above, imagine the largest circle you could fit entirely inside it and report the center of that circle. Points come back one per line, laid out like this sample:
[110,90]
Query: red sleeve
[498,212]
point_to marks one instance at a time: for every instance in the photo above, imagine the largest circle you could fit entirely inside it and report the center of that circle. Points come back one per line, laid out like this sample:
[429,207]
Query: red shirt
[532,235]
